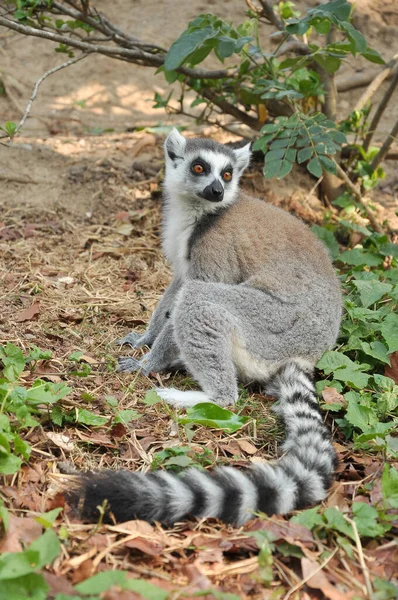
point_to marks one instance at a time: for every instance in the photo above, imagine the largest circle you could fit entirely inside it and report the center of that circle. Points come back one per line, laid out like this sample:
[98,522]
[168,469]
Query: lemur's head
[203,171]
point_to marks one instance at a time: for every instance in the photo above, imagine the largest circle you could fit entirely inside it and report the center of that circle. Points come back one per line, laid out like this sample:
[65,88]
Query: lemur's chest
[178,226]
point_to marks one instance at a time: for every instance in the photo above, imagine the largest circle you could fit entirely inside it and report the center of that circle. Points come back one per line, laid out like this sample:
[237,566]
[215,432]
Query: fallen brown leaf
[29,313]
[332,396]
[21,532]
[319,581]
[247,447]
[62,440]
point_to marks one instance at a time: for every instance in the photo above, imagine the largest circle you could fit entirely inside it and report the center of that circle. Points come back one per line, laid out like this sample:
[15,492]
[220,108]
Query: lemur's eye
[198,169]
[227,176]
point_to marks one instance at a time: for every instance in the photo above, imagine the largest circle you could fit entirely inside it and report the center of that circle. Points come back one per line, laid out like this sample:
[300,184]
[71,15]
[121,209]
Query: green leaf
[10,464]
[185,45]
[45,392]
[360,416]
[371,291]
[389,485]
[13,360]
[27,587]
[373,56]
[127,415]
[336,521]
[389,330]
[211,415]
[286,168]
[343,368]
[4,446]
[102,582]
[377,350]
[151,398]
[331,64]
[304,154]
[181,460]
[273,155]
[48,519]
[358,257]
[356,38]
[272,169]
[314,167]
[327,237]
[328,164]
[366,519]
[310,518]
[86,417]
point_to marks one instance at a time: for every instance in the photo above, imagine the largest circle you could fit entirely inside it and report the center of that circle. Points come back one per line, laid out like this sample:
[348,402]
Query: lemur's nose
[217,191]
[214,192]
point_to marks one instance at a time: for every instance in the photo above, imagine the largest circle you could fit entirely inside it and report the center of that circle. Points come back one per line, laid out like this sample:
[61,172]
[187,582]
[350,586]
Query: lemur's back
[257,242]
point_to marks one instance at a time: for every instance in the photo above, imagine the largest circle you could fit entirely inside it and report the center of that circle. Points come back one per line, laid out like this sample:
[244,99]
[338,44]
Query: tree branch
[385,147]
[36,89]
[132,55]
[379,112]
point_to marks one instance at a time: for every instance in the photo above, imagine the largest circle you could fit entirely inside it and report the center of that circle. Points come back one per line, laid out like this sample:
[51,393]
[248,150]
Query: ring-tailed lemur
[254,296]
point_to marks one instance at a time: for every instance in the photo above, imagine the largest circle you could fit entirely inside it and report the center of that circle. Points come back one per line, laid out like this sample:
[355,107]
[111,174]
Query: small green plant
[180,457]
[22,407]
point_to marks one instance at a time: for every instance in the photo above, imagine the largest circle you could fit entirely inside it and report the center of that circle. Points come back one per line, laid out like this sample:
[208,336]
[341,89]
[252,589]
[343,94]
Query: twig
[357,193]
[364,567]
[374,86]
[21,123]
[304,581]
[385,147]
[380,110]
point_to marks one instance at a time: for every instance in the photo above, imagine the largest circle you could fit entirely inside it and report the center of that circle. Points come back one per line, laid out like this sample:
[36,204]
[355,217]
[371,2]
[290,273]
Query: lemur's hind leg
[225,332]
[203,334]
[163,356]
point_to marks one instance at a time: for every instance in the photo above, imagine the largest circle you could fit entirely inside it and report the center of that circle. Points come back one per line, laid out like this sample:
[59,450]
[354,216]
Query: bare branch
[358,80]
[380,110]
[375,84]
[32,98]
[385,147]
[357,193]
[132,55]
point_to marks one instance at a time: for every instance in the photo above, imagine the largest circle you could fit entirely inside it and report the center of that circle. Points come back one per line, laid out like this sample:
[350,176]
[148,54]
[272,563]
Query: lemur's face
[203,171]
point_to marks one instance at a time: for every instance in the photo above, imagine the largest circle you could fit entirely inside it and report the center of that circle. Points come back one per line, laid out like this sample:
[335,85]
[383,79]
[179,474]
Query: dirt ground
[79,241]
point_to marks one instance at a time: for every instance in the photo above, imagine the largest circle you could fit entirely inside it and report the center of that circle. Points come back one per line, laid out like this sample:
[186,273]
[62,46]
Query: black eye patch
[205,166]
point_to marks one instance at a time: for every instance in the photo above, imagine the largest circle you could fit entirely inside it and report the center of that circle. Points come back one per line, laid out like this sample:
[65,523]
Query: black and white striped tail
[297,480]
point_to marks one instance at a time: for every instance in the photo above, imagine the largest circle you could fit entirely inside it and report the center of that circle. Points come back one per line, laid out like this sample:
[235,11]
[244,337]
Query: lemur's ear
[243,156]
[174,145]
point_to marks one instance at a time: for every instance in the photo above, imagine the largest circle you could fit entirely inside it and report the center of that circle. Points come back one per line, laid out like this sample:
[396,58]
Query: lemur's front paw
[133,339]
[127,364]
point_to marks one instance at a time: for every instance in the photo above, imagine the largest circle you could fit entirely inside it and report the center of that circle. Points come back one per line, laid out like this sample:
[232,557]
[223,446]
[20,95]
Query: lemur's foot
[127,364]
[133,339]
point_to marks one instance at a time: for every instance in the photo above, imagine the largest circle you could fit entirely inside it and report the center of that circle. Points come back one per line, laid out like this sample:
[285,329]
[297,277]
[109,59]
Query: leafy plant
[368,339]
[181,457]
[20,407]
